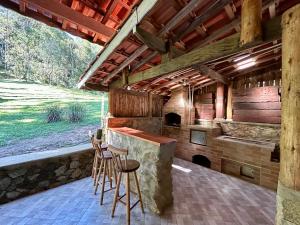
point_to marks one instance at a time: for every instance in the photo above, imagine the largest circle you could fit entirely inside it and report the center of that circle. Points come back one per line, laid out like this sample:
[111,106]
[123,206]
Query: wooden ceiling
[178,27]
[93,20]
[188,25]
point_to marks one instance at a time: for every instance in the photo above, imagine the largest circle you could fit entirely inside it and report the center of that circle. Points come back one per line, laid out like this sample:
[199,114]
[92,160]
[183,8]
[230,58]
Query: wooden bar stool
[105,165]
[97,157]
[125,166]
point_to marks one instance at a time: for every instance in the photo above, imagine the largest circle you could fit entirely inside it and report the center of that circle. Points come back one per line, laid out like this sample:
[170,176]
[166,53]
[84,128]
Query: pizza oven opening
[201,160]
[173,119]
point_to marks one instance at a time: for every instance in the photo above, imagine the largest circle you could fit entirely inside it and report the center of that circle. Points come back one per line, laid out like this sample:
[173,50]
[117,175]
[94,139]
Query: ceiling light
[241,57]
[246,63]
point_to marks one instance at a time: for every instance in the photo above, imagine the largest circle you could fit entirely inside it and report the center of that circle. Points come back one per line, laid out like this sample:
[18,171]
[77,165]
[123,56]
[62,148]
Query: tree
[32,51]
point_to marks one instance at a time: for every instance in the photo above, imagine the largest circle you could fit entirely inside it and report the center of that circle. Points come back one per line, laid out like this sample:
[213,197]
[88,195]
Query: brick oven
[178,109]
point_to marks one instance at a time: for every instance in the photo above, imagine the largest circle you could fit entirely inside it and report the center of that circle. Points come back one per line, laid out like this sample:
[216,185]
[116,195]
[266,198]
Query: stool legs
[116,194]
[127,198]
[139,191]
[127,187]
[98,176]
[103,181]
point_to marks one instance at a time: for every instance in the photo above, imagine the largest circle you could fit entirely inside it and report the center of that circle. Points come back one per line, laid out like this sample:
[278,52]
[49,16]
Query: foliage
[53,113]
[21,105]
[76,112]
[33,51]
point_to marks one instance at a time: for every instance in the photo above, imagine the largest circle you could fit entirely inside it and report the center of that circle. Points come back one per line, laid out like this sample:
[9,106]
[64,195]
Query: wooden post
[288,191]
[251,28]
[125,73]
[150,104]
[220,101]
[229,102]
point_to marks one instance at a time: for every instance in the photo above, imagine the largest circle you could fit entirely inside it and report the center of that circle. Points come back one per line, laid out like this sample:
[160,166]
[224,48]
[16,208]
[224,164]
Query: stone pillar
[229,102]
[251,28]
[220,101]
[288,192]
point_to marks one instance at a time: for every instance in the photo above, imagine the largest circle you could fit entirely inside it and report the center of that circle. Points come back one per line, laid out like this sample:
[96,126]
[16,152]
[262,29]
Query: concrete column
[288,192]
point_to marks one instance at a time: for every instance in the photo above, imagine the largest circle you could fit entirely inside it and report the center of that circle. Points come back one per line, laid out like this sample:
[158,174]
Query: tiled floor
[201,196]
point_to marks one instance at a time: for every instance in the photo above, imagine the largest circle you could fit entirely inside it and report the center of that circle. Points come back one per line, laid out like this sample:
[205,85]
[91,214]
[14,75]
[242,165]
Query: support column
[229,102]
[220,101]
[288,192]
[251,29]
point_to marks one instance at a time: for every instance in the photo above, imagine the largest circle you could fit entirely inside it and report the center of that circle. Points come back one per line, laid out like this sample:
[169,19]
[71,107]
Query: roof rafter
[131,22]
[184,12]
[61,10]
[225,47]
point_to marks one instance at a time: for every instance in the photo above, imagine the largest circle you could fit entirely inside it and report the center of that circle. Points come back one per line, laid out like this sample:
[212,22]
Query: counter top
[155,139]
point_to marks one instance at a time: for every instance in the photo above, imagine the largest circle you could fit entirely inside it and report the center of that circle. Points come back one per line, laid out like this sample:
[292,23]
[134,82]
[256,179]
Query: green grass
[22,106]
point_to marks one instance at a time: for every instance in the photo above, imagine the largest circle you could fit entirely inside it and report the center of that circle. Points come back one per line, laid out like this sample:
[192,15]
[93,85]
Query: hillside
[22,110]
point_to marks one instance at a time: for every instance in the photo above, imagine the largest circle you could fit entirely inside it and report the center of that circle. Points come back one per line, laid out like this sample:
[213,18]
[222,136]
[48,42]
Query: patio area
[201,196]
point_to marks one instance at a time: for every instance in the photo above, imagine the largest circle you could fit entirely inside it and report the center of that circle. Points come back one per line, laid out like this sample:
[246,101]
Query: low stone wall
[255,131]
[27,174]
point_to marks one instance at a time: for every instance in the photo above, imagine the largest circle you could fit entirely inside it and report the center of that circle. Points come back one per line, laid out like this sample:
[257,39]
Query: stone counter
[155,154]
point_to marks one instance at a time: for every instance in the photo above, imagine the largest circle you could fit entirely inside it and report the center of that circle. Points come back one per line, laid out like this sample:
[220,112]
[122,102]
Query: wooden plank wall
[260,104]
[157,105]
[204,106]
[257,98]
[124,103]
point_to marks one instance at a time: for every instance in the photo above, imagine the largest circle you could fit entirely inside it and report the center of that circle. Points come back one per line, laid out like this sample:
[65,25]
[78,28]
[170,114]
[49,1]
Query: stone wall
[19,178]
[154,173]
[255,131]
[151,125]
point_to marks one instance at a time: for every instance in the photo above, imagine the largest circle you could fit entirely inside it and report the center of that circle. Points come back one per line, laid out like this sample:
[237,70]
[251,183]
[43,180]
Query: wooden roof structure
[158,45]
[94,20]
[175,30]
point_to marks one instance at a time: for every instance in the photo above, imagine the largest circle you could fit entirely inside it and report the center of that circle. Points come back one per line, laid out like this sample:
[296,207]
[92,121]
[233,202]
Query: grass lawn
[22,106]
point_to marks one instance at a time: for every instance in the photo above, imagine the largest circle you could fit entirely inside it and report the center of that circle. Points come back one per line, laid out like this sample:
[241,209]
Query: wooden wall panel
[258,104]
[204,106]
[123,103]
[157,105]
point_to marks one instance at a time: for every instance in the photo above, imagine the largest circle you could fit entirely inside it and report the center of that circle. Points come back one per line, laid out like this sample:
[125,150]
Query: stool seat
[104,146]
[129,165]
[105,155]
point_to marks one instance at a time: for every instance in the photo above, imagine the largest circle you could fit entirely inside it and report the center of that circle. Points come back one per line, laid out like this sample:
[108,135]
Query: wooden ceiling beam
[95,87]
[135,18]
[46,20]
[111,7]
[173,22]
[225,47]
[203,69]
[152,41]
[208,13]
[61,10]
[197,22]
[218,33]
[144,61]
[180,78]
[145,87]
[205,85]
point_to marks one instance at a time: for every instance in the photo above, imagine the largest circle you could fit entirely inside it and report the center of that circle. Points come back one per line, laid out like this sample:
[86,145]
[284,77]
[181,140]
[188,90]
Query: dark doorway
[201,160]
[173,119]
